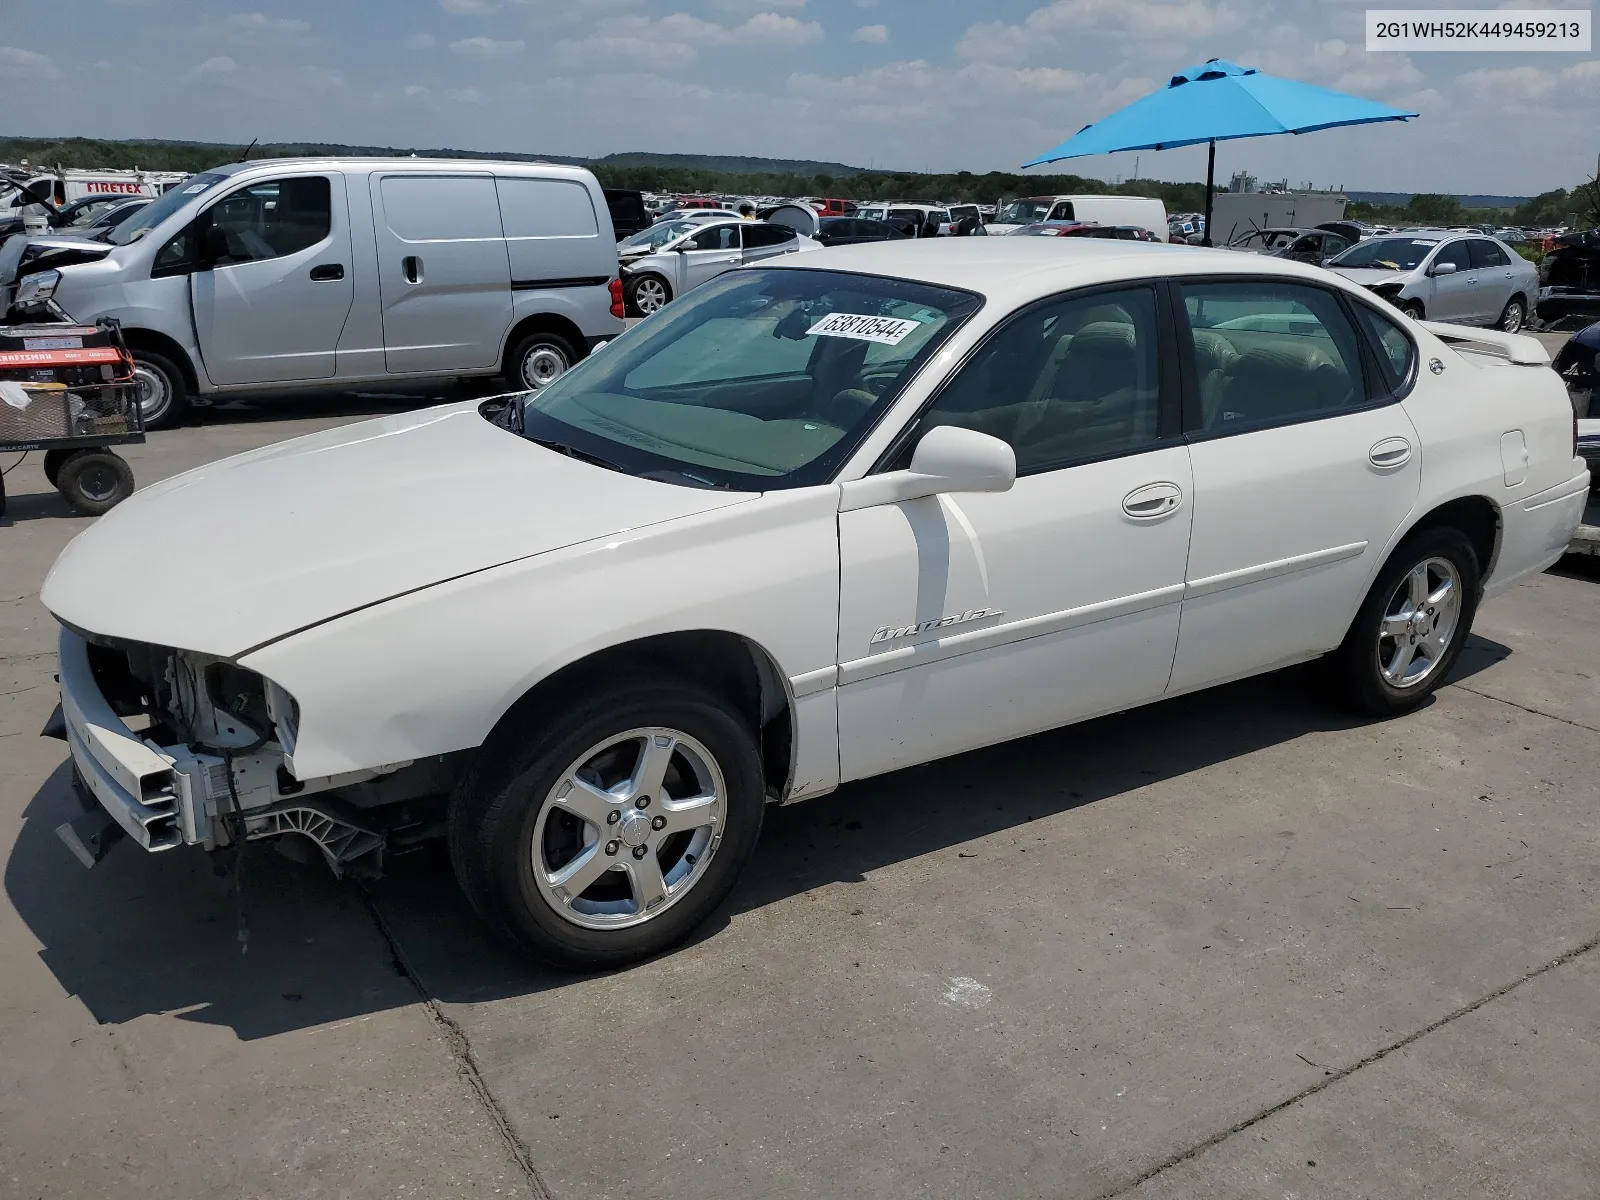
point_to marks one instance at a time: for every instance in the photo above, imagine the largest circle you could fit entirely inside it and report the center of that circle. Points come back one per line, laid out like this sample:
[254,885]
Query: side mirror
[947,459]
[1444,268]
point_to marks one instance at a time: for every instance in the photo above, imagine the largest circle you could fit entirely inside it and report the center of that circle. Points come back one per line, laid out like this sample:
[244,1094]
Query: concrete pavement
[1190,950]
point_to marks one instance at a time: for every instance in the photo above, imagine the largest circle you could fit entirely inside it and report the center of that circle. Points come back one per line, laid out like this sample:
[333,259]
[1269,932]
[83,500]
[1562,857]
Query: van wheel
[94,481]
[604,829]
[540,359]
[162,395]
[1412,625]
[649,294]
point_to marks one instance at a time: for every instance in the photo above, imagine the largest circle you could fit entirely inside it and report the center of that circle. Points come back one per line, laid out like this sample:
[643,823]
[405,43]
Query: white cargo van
[1145,211]
[351,272]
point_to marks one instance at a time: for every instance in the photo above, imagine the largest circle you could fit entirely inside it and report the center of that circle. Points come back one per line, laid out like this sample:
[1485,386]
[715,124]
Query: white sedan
[816,521]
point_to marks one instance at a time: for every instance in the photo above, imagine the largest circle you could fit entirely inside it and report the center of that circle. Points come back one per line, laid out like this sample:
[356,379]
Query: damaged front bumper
[167,796]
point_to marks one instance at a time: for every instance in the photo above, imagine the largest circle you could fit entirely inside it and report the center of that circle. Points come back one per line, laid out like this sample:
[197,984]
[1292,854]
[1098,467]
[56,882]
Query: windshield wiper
[573,452]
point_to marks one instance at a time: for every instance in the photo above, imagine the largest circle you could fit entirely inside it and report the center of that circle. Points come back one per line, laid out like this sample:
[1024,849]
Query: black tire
[539,359]
[495,811]
[653,301]
[1356,668]
[162,392]
[1413,309]
[52,464]
[1513,316]
[94,481]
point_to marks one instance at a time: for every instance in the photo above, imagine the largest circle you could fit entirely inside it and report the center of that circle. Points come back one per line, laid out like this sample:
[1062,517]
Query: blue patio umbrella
[1212,103]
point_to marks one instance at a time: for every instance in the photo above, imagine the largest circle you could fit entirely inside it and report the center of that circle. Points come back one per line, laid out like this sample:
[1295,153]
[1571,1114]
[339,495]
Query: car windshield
[1389,254]
[157,211]
[1023,212]
[757,380]
[657,236]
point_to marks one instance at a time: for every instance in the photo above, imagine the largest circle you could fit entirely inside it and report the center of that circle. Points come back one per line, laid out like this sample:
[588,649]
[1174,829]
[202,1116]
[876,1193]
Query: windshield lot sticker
[891,331]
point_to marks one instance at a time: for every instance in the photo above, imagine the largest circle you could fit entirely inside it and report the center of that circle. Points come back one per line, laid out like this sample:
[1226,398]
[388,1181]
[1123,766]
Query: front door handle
[1152,501]
[1390,453]
[411,267]
[327,272]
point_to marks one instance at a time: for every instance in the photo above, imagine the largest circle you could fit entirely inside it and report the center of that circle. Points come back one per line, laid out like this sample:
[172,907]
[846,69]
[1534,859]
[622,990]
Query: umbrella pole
[1211,172]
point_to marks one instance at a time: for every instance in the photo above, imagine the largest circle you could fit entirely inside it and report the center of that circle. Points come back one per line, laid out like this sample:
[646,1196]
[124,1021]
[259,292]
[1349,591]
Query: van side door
[444,276]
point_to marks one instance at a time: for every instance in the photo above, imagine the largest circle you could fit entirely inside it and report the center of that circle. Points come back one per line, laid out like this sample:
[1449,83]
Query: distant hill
[1401,199]
[728,164]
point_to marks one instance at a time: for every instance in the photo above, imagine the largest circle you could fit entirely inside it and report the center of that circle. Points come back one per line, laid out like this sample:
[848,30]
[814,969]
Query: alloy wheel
[1419,623]
[1511,320]
[649,295]
[629,829]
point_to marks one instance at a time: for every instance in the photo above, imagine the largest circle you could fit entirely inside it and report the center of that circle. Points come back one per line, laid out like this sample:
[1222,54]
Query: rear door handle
[1152,501]
[327,272]
[1391,452]
[411,267]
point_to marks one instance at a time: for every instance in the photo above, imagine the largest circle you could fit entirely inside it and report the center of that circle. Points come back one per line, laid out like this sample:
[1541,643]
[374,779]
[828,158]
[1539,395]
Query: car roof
[1015,271]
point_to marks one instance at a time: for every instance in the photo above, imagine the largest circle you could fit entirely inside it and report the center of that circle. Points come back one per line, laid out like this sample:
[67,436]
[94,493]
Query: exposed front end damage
[179,748]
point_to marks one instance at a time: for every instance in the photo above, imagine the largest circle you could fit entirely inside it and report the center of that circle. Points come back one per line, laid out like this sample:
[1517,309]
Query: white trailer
[1234,214]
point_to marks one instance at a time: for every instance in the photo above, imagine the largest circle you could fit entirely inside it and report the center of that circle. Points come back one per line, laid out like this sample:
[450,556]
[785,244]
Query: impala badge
[891,633]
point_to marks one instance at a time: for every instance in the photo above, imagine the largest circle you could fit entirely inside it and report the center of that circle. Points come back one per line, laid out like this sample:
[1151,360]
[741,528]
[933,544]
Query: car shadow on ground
[309,404]
[289,947]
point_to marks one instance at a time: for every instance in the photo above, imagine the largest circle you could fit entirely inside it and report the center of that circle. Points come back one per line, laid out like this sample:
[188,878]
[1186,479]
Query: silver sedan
[1465,279]
[664,261]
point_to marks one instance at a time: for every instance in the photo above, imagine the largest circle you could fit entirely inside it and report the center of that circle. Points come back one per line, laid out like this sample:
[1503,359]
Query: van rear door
[444,276]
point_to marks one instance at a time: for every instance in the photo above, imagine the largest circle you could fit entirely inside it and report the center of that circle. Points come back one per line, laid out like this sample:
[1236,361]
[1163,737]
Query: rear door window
[1485,253]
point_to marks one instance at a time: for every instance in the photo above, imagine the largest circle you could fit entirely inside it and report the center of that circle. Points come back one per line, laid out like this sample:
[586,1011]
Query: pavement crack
[1537,712]
[1328,1081]
[460,1046]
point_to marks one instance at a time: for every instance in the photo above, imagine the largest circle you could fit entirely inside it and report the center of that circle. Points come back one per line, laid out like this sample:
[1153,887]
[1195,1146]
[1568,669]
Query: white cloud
[467,7]
[778,29]
[251,28]
[21,66]
[470,95]
[875,35]
[747,5]
[612,50]
[421,41]
[1140,23]
[220,65]
[484,47]
[671,42]
[417,90]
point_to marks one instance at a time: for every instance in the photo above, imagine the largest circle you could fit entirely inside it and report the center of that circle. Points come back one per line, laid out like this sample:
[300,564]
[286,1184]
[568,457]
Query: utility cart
[69,390]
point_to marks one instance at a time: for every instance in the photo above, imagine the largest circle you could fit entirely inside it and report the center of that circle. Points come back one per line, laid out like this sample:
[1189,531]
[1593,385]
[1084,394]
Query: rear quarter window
[539,208]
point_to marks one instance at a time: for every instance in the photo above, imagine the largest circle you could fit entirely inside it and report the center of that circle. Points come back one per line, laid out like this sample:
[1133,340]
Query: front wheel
[1512,316]
[1412,309]
[649,294]
[1412,625]
[162,394]
[602,831]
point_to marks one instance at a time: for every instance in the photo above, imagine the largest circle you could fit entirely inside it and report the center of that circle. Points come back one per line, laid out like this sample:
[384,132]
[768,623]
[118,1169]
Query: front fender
[433,671]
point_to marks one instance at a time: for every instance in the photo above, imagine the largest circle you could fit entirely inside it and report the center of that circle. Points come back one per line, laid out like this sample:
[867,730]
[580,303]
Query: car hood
[1372,276]
[248,549]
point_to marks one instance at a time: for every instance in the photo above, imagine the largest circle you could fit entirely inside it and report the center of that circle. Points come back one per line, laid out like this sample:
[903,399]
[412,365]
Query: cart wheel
[94,481]
[52,464]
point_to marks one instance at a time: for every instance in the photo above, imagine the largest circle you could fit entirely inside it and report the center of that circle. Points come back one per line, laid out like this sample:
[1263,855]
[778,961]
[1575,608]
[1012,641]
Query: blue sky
[912,84]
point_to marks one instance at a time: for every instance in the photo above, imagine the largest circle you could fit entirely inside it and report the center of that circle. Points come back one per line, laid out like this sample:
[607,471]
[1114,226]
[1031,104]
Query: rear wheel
[540,359]
[604,830]
[1513,315]
[649,294]
[162,394]
[1412,625]
[52,464]
[94,481]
